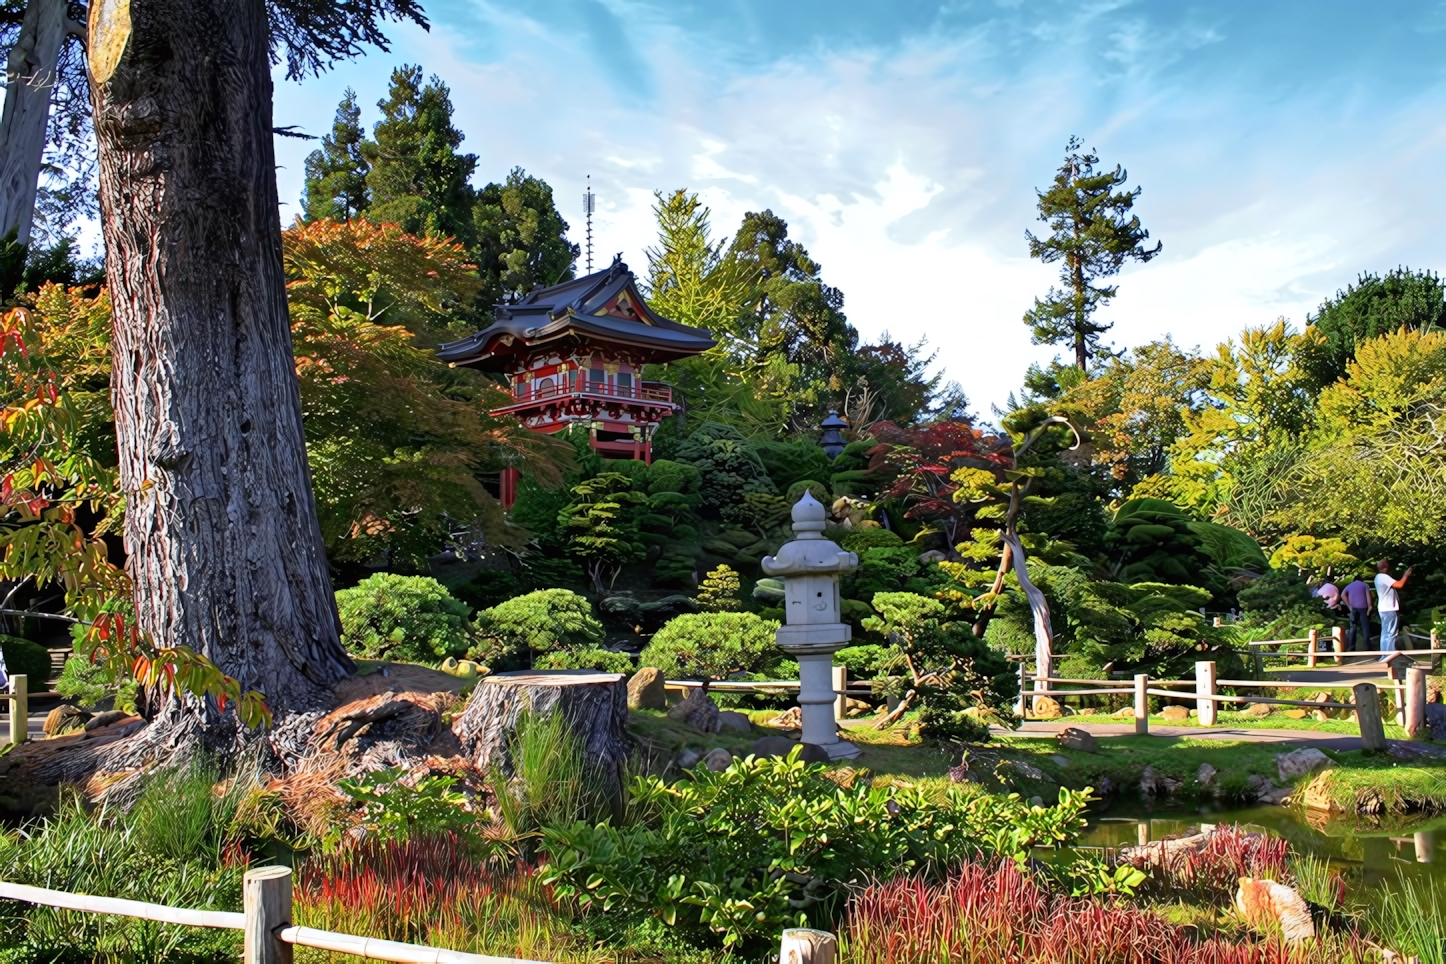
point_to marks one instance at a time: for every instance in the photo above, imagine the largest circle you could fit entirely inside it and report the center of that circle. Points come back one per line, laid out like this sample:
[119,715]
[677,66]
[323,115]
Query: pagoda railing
[581,388]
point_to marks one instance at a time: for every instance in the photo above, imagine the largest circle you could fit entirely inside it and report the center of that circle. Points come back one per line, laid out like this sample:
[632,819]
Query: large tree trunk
[221,529]
[30,76]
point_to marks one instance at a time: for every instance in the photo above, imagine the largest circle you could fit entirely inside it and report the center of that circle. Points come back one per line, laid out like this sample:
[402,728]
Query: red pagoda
[573,354]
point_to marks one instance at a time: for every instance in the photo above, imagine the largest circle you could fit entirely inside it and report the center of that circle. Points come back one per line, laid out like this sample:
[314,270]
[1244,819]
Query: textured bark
[30,77]
[594,704]
[221,529]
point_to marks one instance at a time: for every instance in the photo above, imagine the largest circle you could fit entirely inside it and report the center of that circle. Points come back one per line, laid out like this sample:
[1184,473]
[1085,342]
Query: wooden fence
[265,920]
[19,703]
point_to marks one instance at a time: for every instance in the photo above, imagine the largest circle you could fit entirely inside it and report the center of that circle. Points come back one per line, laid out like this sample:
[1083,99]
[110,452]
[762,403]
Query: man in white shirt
[1389,605]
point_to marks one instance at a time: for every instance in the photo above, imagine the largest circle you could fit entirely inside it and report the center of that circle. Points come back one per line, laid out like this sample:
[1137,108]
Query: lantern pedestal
[810,567]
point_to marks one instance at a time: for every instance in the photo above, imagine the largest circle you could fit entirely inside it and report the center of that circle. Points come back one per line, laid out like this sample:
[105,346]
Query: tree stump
[594,704]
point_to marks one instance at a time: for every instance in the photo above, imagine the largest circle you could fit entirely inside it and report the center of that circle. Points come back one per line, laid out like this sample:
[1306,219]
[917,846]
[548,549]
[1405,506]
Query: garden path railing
[19,704]
[265,920]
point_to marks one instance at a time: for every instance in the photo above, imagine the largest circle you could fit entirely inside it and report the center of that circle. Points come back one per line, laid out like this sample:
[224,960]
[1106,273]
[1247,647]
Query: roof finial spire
[589,202]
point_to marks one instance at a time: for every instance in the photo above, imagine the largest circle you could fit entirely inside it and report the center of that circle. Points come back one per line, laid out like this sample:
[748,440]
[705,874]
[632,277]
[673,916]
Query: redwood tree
[221,531]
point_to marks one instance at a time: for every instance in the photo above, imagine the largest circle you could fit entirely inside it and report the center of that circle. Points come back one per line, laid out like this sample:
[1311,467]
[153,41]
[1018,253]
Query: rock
[64,719]
[1300,763]
[1205,775]
[1074,738]
[1267,906]
[1028,770]
[1165,853]
[1126,711]
[698,711]
[1175,714]
[1193,714]
[1436,720]
[1036,801]
[1296,714]
[1402,750]
[960,773]
[1060,761]
[733,720]
[1257,786]
[1087,711]
[792,719]
[1258,709]
[108,718]
[1148,784]
[1170,785]
[718,759]
[853,707]
[933,555]
[1046,708]
[646,690]
[688,759]
[1280,795]
[1106,788]
[781,746]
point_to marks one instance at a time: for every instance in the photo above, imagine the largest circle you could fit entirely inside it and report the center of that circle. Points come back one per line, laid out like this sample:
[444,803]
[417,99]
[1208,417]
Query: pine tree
[521,239]
[417,179]
[719,590]
[336,173]
[1092,234]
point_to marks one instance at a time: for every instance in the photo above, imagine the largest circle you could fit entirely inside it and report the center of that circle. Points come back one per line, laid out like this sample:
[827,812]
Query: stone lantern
[832,440]
[810,567]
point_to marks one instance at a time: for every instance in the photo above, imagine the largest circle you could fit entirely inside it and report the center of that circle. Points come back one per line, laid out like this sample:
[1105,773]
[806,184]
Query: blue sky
[1283,147]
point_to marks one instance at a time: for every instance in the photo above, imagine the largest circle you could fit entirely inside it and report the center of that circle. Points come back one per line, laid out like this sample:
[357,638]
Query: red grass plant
[1211,872]
[979,916]
[429,890]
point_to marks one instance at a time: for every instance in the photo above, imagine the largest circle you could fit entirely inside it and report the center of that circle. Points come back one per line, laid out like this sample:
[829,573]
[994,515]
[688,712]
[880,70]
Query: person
[1358,601]
[1329,592]
[1389,604]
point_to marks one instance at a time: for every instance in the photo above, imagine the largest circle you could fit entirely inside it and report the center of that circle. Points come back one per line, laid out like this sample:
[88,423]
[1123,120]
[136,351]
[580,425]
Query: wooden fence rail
[265,920]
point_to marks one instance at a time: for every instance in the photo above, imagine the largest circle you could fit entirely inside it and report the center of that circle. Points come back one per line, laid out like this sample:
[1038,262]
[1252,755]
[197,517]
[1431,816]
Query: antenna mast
[589,202]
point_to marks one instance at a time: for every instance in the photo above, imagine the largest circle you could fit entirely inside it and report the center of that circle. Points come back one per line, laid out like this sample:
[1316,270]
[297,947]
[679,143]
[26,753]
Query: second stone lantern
[810,567]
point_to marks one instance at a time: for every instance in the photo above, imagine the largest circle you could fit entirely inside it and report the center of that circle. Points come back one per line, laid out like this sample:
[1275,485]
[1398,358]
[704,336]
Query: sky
[1283,147]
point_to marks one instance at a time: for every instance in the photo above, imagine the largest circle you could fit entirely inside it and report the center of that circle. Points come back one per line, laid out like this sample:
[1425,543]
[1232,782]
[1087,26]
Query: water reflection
[1368,853]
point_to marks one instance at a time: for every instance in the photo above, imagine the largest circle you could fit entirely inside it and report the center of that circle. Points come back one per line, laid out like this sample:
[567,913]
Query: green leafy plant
[770,843]
[394,808]
[547,621]
[601,526]
[712,645]
[409,618]
[23,656]
[88,684]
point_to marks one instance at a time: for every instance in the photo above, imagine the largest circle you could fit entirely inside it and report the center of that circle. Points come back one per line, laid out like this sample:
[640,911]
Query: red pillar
[509,486]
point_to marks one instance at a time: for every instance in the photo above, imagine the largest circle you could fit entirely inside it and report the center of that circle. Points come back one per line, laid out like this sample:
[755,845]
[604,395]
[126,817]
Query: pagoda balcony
[649,393]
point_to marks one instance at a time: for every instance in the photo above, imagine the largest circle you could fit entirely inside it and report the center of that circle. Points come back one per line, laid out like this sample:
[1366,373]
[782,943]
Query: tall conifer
[336,173]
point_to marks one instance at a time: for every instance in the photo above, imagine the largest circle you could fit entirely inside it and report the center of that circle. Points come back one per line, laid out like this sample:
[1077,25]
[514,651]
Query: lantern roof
[603,309]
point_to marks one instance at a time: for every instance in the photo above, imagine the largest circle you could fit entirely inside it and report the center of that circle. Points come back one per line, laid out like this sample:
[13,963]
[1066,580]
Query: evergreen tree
[417,179]
[1373,306]
[719,591]
[1092,235]
[336,173]
[521,239]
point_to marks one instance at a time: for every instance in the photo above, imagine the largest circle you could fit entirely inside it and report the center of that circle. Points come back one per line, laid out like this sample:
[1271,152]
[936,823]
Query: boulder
[1296,714]
[1268,906]
[1258,709]
[1046,708]
[688,759]
[1300,763]
[718,759]
[1319,715]
[1060,761]
[698,711]
[1278,796]
[1258,786]
[1205,775]
[932,556]
[1436,720]
[646,690]
[733,720]
[1175,714]
[791,719]
[1074,738]
[1027,770]
[781,746]
[64,719]
[1088,711]
[1036,801]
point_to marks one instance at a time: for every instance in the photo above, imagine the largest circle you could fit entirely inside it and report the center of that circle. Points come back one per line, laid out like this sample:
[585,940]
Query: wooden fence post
[1415,702]
[266,903]
[1021,706]
[1312,647]
[19,709]
[1204,688]
[1338,637]
[803,946]
[1142,704]
[1368,714]
[1219,622]
[840,686]
[1397,670]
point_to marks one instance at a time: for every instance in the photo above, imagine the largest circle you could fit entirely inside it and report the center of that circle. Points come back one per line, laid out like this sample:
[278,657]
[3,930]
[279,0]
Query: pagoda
[573,354]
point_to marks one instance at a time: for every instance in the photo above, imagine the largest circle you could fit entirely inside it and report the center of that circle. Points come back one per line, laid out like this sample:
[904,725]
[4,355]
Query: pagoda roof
[603,308]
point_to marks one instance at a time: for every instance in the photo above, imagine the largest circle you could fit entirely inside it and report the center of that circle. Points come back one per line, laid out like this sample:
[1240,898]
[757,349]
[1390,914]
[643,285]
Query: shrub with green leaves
[408,618]
[773,843]
[869,537]
[88,684]
[588,657]
[712,646]
[23,656]
[522,631]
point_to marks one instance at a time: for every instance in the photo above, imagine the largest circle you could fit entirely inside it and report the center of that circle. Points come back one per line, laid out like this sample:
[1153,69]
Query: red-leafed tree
[926,459]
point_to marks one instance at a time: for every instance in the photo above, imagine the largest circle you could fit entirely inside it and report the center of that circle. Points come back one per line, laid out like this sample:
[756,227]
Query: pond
[1370,854]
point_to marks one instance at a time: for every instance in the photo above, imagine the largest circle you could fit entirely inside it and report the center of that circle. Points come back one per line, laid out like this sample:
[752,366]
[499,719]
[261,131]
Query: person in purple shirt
[1358,599]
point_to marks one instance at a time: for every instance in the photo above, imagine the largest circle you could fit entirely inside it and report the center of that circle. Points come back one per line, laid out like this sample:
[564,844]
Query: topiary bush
[23,656]
[870,537]
[522,631]
[713,646]
[409,618]
[588,657]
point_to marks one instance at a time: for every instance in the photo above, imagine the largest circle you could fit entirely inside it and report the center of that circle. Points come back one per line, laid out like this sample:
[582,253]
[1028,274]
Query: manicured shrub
[863,539]
[719,591]
[588,657]
[519,631]
[23,656]
[712,646]
[409,618]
